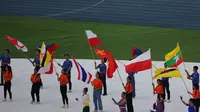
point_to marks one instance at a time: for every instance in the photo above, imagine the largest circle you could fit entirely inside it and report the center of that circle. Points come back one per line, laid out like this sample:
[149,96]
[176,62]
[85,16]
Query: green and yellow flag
[167,73]
[174,58]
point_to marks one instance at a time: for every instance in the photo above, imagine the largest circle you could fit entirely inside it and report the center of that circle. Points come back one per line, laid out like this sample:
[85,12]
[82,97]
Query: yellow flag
[167,73]
[45,56]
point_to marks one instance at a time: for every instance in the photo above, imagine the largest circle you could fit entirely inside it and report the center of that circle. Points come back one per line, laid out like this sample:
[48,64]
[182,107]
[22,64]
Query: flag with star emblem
[174,58]
[100,53]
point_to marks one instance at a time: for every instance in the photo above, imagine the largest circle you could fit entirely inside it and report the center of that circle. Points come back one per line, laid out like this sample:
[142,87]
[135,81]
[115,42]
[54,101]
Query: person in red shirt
[35,79]
[63,87]
[97,84]
[129,89]
[196,95]
[7,82]
[158,89]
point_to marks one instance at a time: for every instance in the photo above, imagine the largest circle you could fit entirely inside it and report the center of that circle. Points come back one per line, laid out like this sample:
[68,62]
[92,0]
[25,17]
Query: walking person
[194,77]
[158,89]
[35,90]
[165,82]
[7,86]
[102,69]
[63,88]
[122,103]
[129,90]
[36,64]
[97,84]
[5,61]
[67,65]
[131,75]
[85,100]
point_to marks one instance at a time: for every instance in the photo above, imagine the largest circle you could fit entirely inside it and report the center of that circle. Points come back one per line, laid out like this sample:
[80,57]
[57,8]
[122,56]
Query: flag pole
[26,56]
[120,77]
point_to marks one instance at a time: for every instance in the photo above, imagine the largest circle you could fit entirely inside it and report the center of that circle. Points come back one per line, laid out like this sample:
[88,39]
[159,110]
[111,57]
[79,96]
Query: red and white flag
[48,69]
[141,63]
[93,39]
[17,43]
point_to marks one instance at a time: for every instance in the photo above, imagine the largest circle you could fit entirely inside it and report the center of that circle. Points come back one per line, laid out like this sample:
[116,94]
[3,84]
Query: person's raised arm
[95,65]
[183,101]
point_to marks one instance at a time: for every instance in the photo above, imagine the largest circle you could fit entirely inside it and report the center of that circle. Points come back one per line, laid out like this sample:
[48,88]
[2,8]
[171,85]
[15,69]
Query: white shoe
[38,103]
[168,101]
[63,106]
[100,110]
[67,106]
[32,102]
[95,111]
[5,99]
[10,100]
[70,91]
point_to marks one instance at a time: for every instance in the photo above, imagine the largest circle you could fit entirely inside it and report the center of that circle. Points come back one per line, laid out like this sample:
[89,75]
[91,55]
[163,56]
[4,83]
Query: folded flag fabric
[82,73]
[174,58]
[101,53]
[17,43]
[45,56]
[135,52]
[166,73]
[93,39]
[48,69]
[112,65]
[140,63]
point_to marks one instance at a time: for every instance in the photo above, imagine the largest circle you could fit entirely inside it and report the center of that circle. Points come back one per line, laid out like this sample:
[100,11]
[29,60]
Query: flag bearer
[35,79]
[158,89]
[191,107]
[129,90]
[131,75]
[97,84]
[122,102]
[63,87]
[36,63]
[194,77]
[102,69]
[5,61]
[165,82]
[67,65]
[7,79]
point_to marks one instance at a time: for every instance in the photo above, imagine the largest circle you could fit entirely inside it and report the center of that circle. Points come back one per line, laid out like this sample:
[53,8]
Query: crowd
[99,86]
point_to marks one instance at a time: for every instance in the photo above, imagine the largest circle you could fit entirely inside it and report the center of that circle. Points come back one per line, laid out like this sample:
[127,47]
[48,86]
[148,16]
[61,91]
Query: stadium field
[116,38]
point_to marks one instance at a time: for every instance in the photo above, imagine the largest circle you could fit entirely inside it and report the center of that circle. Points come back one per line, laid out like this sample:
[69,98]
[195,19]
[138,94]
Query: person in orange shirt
[129,89]
[159,90]
[97,84]
[63,87]
[35,79]
[196,95]
[7,82]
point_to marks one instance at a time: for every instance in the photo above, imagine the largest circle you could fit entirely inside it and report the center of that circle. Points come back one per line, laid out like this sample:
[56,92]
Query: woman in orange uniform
[158,89]
[129,90]
[97,84]
[7,85]
[35,79]
[63,87]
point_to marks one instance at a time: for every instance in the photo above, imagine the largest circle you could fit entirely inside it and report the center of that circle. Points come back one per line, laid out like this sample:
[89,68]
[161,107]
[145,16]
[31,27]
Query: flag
[100,53]
[45,56]
[48,69]
[174,58]
[166,73]
[141,63]
[135,52]
[93,39]
[51,48]
[82,73]
[17,43]
[112,65]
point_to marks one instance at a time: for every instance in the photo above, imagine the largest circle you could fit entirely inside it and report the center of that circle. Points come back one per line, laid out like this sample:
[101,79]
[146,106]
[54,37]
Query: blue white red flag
[82,74]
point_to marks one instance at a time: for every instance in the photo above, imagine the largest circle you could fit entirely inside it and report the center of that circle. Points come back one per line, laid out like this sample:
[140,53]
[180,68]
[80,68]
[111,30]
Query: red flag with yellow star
[100,53]
[112,65]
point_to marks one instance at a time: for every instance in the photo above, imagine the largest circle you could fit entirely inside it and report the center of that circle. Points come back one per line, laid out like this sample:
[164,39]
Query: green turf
[116,38]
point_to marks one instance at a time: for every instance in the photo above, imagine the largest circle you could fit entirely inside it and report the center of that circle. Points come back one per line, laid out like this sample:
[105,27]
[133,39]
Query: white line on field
[68,12]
